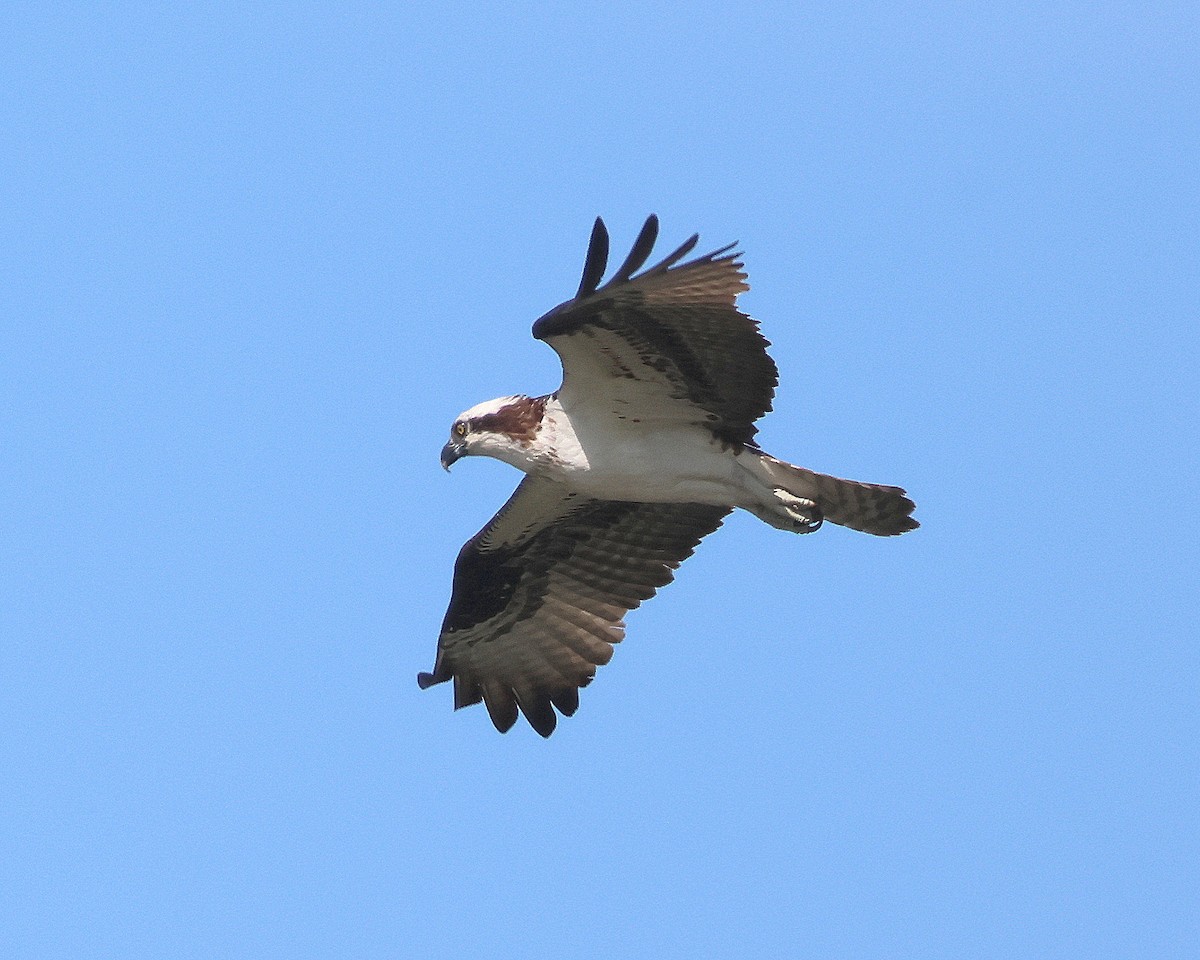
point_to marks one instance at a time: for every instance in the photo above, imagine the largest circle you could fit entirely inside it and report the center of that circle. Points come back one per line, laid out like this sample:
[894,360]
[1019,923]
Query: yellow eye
[460,429]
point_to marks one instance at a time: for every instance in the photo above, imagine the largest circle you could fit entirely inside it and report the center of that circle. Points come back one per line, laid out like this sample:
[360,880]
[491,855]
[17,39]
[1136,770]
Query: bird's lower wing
[541,592]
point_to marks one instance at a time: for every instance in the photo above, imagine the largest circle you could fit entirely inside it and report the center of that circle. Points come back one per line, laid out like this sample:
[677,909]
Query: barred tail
[870,507]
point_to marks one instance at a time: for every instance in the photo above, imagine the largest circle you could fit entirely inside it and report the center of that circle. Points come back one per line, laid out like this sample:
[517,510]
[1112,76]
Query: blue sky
[257,257]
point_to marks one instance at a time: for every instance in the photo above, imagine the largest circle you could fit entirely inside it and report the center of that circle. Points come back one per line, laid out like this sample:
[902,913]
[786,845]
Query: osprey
[643,450]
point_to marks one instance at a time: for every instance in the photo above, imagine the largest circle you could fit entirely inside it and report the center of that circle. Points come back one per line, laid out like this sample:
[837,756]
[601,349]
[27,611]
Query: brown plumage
[519,420]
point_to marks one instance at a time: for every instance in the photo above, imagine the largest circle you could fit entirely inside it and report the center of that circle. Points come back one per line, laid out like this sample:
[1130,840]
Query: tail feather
[870,507]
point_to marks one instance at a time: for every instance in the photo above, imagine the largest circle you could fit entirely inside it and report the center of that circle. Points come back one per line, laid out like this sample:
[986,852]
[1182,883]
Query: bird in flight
[645,448]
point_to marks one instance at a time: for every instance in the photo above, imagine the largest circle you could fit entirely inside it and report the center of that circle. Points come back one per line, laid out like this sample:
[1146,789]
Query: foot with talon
[804,513]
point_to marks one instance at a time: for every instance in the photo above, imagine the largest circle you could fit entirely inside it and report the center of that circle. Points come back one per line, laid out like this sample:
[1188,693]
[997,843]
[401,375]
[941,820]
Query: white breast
[603,456]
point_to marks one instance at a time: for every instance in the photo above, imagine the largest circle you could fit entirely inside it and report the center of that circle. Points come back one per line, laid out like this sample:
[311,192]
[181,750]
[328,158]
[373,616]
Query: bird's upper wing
[666,344]
[540,593]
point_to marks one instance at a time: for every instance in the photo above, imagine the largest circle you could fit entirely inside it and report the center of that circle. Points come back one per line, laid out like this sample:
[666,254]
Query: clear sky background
[255,258]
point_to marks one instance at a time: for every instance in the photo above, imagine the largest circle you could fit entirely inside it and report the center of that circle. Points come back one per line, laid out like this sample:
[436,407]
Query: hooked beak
[453,451]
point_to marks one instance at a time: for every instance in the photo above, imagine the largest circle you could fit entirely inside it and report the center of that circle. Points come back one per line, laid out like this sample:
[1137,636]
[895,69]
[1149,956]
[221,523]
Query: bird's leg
[805,515]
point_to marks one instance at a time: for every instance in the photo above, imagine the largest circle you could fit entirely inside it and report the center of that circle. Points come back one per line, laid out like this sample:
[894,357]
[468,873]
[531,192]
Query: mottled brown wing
[666,344]
[540,593]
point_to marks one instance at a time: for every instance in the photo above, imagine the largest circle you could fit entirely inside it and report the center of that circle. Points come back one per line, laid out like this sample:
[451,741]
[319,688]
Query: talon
[804,512]
[813,523]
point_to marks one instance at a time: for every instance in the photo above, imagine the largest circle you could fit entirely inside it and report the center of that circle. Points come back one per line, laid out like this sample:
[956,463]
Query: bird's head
[501,428]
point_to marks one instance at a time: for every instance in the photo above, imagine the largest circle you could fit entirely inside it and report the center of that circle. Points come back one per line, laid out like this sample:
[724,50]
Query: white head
[502,428]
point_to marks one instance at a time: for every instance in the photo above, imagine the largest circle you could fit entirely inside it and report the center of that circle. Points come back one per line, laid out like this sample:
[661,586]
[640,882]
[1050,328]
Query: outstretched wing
[540,593]
[666,344]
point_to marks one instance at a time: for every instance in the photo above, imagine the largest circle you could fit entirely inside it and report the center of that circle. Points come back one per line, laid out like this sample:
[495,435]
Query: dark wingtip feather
[723,252]
[673,258]
[466,693]
[597,260]
[567,700]
[539,713]
[501,708]
[640,252]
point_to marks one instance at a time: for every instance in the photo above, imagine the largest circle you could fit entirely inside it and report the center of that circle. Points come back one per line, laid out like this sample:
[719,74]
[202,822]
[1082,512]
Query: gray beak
[453,451]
